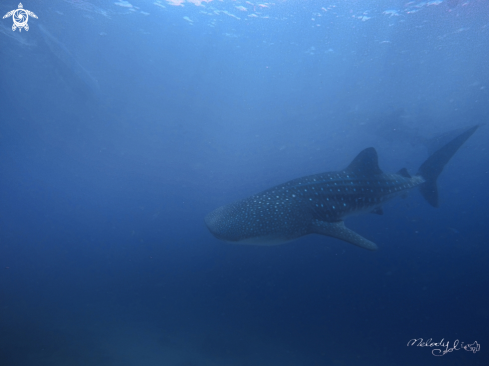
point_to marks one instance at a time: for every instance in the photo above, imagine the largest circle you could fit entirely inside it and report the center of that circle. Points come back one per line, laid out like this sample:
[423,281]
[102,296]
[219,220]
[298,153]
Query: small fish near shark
[318,204]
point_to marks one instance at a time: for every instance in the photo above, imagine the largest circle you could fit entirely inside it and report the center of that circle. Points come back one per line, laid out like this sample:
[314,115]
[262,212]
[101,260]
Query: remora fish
[317,204]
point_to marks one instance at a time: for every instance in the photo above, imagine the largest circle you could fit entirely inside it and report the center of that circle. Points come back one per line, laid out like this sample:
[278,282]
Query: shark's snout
[218,223]
[212,222]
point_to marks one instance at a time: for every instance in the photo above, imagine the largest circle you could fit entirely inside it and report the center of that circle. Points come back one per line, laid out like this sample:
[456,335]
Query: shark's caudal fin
[433,166]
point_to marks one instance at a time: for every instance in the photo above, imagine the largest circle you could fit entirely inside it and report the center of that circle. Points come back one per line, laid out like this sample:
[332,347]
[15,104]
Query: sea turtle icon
[20,17]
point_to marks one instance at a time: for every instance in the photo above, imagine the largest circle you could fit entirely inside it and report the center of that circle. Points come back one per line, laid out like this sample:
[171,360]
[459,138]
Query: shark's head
[221,225]
[247,222]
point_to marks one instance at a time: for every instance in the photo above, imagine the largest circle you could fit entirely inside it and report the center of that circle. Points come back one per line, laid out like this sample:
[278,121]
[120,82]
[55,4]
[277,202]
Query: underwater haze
[125,123]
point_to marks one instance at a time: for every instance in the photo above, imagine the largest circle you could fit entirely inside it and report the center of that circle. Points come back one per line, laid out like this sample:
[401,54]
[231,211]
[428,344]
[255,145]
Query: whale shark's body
[319,203]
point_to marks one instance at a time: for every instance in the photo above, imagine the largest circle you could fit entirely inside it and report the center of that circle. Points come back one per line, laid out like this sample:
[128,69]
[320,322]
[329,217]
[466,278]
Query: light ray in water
[72,72]
[16,36]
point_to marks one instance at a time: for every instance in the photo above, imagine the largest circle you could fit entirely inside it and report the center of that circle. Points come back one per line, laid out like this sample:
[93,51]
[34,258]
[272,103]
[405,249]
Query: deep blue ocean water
[124,123]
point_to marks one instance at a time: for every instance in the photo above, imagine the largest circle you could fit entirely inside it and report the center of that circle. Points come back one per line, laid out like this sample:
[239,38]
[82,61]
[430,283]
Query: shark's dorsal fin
[366,163]
[338,230]
[403,172]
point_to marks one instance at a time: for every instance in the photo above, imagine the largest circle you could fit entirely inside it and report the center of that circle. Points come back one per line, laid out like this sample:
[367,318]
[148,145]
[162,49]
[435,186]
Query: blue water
[124,123]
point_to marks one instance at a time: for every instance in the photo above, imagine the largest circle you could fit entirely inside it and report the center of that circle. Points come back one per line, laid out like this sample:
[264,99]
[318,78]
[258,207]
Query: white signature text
[443,347]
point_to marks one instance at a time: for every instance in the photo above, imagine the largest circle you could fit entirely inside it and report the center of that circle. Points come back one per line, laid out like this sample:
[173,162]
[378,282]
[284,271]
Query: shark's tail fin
[433,166]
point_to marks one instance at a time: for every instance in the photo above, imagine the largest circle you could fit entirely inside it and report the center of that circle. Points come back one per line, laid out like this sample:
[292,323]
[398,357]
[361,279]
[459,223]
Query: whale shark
[318,204]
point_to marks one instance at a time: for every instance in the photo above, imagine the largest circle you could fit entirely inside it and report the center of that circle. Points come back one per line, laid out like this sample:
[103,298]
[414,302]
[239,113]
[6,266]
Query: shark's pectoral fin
[338,230]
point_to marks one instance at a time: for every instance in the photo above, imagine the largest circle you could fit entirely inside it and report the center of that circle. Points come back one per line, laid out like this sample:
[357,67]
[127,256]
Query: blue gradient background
[104,255]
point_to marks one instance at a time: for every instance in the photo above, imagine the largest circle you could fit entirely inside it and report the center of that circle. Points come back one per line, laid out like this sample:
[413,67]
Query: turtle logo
[20,17]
